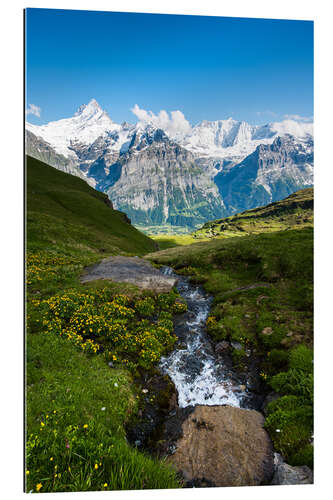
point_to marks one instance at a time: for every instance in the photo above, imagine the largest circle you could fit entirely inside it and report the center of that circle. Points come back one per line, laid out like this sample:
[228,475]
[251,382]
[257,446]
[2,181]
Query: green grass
[165,229]
[63,211]
[293,212]
[77,408]
[263,298]
[74,331]
[172,240]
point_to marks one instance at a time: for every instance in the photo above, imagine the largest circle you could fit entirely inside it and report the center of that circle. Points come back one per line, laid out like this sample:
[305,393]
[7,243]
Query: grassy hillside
[293,212]
[263,300]
[85,345]
[64,210]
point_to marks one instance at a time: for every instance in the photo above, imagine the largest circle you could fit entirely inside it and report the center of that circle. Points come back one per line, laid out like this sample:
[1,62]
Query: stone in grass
[267,331]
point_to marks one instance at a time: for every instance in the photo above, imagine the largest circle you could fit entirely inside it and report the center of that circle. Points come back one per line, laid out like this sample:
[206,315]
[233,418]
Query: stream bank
[203,414]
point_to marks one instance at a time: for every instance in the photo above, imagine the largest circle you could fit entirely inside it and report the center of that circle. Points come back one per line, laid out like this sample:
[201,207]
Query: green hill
[64,210]
[293,212]
[82,386]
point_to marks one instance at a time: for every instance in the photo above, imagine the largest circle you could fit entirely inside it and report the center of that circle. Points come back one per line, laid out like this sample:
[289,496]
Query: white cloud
[297,128]
[299,118]
[174,124]
[33,110]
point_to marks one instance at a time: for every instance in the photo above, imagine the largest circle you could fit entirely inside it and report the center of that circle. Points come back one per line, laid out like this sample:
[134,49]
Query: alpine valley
[168,180]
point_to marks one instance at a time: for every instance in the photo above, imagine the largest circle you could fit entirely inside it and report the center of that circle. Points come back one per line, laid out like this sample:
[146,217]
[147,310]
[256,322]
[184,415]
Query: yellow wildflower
[85,426]
[39,486]
[96,466]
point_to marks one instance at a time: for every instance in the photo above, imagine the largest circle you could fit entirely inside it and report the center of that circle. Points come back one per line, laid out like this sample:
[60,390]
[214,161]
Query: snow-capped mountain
[196,168]
[233,140]
[219,139]
[88,123]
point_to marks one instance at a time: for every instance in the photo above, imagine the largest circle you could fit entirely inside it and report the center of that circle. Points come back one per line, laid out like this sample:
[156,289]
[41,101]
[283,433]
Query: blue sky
[211,68]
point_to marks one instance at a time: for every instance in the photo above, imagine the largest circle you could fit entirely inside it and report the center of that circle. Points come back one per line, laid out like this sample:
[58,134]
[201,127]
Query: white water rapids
[198,374]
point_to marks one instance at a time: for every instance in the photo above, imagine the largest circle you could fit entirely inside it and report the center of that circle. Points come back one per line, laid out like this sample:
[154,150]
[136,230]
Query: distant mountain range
[178,179]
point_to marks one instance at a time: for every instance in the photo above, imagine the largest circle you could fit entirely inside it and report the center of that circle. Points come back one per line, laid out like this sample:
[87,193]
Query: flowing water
[199,375]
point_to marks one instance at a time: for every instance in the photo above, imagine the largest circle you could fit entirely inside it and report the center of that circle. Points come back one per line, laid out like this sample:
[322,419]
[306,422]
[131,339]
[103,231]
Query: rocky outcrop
[286,474]
[41,150]
[132,270]
[160,183]
[270,173]
[224,446]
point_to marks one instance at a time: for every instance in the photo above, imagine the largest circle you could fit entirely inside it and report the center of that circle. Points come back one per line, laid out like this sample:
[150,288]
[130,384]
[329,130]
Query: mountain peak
[91,108]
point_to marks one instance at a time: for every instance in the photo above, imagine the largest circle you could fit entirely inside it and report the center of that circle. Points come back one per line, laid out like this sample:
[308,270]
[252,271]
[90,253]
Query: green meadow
[87,346]
[262,286]
[77,406]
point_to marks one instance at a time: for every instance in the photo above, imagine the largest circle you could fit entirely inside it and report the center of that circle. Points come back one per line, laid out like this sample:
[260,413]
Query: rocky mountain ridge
[213,170]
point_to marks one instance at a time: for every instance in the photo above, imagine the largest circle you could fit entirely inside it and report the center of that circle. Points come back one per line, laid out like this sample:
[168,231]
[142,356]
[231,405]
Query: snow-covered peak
[90,109]
[88,123]
[226,139]
[236,139]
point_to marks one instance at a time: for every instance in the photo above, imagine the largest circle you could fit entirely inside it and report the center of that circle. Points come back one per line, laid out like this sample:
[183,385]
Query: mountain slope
[270,173]
[38,148]
[293,212]
[62,210]
[159,183]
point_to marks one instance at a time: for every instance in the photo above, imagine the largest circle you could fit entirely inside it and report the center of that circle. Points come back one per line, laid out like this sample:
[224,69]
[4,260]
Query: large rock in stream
[132,270]
[224,446]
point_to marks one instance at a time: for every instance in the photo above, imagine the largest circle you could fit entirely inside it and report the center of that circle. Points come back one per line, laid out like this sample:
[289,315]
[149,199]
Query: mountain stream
[200,376]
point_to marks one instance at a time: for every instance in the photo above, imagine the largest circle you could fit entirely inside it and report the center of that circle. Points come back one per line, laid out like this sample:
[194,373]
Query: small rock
[242,387]
[236,345]
[267,331]
[181,346]
[222,347]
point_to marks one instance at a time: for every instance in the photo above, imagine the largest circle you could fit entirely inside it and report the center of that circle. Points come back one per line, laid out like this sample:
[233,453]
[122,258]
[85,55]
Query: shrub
[290,418]
[290,422]
[145,307]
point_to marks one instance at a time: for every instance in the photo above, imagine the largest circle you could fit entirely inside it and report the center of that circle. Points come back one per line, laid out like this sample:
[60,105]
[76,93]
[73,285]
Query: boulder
[132,270]
[286,474]
[224,446]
